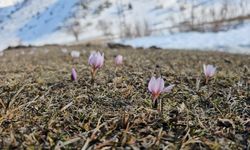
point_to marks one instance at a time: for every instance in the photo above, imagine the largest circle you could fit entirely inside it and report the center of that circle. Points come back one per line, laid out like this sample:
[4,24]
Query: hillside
[30,22]
[41,108]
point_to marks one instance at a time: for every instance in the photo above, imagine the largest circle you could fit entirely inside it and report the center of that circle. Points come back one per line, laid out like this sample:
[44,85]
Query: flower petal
[205,69]
[161,85]
[151,84]
[168,88]
[73,75]
[210,70]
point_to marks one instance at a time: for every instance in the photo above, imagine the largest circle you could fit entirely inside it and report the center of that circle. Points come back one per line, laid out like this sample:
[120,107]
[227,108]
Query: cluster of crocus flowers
[73,74]
[209,71]
[156,87]
[119,60]
[96,61]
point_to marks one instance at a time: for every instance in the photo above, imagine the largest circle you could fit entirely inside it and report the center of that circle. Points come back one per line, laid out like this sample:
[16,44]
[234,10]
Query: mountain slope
[62,21]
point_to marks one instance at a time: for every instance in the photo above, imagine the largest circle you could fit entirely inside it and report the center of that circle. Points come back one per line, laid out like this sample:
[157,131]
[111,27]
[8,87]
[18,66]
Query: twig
[158,138]
[61,144]
[2,103]
[14,97]
[67,106]
[92,137]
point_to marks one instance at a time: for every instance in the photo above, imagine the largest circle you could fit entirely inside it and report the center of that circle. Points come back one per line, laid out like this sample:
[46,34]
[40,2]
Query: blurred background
[221,25]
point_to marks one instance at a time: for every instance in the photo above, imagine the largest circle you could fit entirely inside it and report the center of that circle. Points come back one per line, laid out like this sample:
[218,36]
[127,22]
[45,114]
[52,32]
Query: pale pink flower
[64,50]
[73,75]
[118,60]
[96,60]
[75,54]
[156,87]
[209,71]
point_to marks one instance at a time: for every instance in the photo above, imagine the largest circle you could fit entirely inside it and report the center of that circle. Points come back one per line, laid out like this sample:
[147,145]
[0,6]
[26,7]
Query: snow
[234,41]
[47,22]
[33,22]
[7,3]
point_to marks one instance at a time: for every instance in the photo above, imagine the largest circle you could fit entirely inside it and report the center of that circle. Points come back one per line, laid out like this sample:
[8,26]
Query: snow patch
[234,41]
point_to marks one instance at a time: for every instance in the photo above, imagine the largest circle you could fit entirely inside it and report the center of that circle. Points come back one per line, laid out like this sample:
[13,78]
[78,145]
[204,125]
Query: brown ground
[40,108]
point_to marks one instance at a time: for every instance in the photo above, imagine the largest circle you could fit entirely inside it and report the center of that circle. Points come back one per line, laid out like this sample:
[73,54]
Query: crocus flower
[118,60]
[96,61]
[75,54]
[209,71]
[73,75]
[156,87]
[64,50]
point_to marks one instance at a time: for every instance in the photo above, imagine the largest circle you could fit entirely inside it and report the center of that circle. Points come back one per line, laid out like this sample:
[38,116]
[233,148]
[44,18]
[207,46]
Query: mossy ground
[41,108]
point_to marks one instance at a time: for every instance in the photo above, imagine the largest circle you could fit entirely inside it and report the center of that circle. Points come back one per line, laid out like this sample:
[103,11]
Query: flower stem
[116,69]
[160,106]
[206,80]
[155,102]
[93,74]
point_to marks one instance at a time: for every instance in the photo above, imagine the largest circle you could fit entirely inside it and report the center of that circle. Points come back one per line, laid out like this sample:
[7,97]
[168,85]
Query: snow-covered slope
[234,41]
[144,23]
[7,3]
[30,20]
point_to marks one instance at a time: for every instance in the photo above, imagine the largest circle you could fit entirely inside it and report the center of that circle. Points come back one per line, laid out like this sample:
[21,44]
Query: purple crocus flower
[96,61]
[209,71]
[73,75]
[156,87]
[118,60]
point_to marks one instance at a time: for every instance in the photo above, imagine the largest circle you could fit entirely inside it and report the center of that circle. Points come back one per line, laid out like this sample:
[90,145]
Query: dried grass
[40,108]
